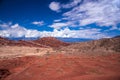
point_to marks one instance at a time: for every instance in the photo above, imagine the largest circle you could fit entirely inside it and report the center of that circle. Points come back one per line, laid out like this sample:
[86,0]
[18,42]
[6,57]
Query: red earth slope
[62,67]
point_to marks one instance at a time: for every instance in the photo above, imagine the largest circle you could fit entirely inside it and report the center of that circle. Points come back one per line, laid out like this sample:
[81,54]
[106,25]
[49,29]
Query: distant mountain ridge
[42,42]
[101,45]
[59,38]
[74,39]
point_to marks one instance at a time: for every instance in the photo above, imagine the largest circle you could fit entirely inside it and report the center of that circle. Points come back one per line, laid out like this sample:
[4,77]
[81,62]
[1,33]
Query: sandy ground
[17,51]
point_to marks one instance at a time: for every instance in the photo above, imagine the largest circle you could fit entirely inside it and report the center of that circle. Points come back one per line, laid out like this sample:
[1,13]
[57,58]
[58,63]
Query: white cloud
[57,20]
[71,4]
[103,13]
[84,12]
[5,25]
[84,33]
[55,6]
[39,23]
[32,33]
[59,25]
[13,31]
[18,31]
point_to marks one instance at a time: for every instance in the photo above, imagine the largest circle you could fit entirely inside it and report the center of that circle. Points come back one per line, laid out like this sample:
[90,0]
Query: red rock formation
[42,42]
[51,41]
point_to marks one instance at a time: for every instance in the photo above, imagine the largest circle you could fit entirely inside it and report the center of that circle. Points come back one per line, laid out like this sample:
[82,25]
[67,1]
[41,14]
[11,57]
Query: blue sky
[92,19]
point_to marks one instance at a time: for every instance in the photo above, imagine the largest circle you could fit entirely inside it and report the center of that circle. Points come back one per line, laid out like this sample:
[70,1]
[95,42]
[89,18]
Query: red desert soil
[61,67]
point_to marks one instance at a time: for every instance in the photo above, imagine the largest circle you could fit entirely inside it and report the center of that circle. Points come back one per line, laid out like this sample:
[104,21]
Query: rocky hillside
[42,42]
[97,46]
[50,41]
[5,41]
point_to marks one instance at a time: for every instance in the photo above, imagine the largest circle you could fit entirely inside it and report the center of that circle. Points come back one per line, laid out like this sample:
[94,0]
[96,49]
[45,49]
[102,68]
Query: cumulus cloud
[15,30]
[55,6]
[83,33]
[32,33]
[39,23]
